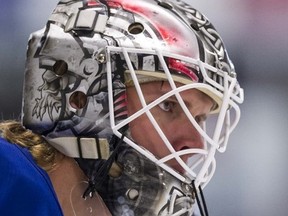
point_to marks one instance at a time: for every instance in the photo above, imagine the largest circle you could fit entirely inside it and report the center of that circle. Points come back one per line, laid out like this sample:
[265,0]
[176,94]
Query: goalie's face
[172,121]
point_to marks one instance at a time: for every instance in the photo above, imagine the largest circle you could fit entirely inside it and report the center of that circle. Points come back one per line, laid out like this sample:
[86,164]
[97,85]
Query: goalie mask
[78,70]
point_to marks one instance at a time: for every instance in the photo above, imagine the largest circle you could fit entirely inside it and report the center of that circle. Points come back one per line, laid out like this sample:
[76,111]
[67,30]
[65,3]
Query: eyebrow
[199,118]
[173,97]
[187,103]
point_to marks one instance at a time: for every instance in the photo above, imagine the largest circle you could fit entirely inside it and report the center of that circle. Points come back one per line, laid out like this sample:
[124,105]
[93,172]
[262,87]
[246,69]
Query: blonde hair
[43,153]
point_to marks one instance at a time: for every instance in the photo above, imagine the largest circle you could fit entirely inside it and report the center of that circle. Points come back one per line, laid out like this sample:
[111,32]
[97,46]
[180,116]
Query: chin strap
[81,147]
[99,174]
[200,200]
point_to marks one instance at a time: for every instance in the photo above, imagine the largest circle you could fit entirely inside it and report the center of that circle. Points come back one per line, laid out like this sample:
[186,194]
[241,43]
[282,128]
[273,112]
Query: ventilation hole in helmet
[166,5]
[135,28]
[60,67]
[78,100]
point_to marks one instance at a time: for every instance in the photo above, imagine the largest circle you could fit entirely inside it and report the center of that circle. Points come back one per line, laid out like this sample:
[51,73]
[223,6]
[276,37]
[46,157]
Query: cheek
[163,119]
[144,134]
[140,129]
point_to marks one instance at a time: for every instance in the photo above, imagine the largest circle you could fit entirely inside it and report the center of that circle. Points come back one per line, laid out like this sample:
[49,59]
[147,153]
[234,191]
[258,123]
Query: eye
[167,106]
[200,119]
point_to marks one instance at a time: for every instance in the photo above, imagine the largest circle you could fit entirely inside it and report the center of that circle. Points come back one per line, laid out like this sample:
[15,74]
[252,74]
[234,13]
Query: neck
[69,183]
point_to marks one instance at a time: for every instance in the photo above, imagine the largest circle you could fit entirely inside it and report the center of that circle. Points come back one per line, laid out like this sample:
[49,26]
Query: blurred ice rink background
[251,178]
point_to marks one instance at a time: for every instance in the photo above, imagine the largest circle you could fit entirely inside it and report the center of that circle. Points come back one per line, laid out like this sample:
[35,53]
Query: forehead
[156,89]
[162,87]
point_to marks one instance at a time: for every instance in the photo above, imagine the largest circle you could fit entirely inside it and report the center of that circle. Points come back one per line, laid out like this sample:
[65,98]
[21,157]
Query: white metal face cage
[215,138]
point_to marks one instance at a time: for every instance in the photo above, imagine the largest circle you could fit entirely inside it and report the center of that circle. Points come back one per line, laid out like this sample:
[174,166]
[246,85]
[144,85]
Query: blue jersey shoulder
[25,188]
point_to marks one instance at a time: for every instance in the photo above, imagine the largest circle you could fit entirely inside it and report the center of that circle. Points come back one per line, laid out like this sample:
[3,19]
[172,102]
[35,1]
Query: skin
[171,119]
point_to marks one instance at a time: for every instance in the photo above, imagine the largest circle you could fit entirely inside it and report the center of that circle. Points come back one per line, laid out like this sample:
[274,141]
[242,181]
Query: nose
[183,135]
